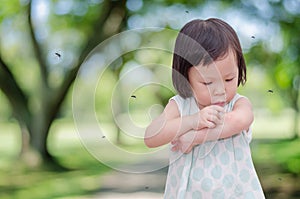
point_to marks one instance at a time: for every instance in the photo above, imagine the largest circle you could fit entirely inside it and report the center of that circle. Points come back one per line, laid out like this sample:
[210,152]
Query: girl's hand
[184,143]
[188,141]
[208,117]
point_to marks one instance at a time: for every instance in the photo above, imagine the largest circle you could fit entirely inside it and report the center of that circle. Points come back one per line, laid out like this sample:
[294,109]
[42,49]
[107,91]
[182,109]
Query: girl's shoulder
[237,100]
[185,106]
[178,99]
[237,97]
[172,110]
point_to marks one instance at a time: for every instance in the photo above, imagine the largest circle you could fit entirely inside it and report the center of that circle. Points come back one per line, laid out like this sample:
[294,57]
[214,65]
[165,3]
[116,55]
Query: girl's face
[215,84]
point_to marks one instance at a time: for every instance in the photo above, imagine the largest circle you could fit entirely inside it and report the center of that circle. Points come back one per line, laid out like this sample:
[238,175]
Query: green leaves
[9,8]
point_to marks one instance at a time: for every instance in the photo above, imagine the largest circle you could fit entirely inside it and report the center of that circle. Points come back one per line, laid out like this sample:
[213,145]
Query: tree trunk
[25,145]
[296,125]
[295,98]
[33,149]
[38,142]
[35,125]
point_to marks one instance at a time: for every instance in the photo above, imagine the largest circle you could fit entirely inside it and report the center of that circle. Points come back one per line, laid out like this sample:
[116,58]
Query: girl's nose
[219,89]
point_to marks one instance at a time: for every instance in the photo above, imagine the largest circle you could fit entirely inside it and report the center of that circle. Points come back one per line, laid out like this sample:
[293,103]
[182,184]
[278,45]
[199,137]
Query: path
[121,185]
[118,185]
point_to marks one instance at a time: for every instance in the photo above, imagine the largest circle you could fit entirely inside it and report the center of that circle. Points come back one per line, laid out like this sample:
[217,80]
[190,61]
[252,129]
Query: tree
[36,108]
[35,122]
[289,67]
[283,64]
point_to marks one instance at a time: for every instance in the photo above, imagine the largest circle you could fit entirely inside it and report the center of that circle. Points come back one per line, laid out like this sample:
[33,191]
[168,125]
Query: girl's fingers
[174,148]
[216,117]
[211,124]
[175,145]
[219,108]
[213,118]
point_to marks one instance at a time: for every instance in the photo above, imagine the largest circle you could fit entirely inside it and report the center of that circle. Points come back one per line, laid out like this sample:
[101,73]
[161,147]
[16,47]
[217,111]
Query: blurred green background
[44,44]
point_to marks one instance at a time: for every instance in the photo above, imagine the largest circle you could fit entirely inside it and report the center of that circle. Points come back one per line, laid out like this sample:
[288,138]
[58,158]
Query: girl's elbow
[153,141]
[148,139]
[149,143]
[246,123]
[250,120]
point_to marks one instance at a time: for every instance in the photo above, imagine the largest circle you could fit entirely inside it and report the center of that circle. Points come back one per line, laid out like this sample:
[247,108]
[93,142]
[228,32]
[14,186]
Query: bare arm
[239,119]
[170,125]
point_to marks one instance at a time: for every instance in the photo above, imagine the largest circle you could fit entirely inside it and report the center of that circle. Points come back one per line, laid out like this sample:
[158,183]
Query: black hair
[204,41]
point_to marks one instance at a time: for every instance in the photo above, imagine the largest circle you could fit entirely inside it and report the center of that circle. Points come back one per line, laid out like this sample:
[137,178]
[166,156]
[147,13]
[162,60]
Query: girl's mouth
[219,104]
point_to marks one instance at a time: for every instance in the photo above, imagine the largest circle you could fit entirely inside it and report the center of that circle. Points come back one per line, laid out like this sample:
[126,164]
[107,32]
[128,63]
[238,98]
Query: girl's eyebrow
[230,74]
[212,77]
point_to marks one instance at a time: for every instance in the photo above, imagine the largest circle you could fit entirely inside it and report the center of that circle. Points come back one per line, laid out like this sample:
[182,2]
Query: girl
[207,123]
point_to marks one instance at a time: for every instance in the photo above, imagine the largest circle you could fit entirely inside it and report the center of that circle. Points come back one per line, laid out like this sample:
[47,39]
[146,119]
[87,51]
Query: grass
[19,181]
[83,178]
[285,153]
[278,165]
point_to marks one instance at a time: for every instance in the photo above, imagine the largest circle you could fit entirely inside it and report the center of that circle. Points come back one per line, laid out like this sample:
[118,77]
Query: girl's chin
[222,104]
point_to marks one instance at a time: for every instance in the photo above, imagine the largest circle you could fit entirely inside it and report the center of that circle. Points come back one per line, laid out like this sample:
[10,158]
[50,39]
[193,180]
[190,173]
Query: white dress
[217,169]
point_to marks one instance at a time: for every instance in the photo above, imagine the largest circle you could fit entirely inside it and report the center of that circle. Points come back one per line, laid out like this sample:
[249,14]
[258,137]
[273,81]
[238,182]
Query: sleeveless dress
[215,169]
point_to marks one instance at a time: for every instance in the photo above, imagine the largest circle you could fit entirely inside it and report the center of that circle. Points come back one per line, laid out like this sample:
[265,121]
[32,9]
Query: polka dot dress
[221,169]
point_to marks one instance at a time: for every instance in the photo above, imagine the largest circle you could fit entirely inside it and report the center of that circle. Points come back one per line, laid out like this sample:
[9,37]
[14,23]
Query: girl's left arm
[235,121]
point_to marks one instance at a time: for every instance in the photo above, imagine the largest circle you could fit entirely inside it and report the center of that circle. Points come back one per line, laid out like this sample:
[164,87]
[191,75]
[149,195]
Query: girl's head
[203,43]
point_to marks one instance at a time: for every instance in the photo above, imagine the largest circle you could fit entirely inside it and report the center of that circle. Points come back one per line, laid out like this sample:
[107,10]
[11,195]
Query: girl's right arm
[167,126]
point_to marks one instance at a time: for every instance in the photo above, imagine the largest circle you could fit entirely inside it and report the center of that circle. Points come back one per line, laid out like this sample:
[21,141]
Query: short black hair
[204,41]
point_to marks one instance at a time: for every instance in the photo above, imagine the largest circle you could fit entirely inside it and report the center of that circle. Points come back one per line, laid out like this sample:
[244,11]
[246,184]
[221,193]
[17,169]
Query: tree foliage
[283,63]
[43,45]
[35,105]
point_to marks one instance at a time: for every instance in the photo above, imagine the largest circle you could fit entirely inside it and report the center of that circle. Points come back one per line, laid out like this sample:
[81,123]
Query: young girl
[207,123]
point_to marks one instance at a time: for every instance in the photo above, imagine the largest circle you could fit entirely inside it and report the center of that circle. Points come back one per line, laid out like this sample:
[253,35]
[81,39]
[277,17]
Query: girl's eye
[206,83]
[229,80]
